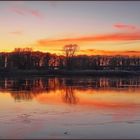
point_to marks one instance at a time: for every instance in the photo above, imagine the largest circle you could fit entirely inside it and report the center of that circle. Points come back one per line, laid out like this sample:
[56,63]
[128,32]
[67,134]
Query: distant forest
[27,59]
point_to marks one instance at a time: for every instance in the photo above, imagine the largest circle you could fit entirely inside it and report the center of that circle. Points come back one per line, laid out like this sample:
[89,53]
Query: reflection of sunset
[50,98]
[113,89]
[125,104]
[120,95]
[90,98]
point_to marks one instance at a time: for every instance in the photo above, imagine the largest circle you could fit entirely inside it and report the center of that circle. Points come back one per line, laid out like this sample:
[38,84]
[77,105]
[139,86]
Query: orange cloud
[102,52]
[106,37]
[124,26]
[26,11]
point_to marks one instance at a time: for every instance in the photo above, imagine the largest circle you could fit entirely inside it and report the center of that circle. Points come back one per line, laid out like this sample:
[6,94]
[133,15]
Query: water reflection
[95,104]
[29,88]
[69,95]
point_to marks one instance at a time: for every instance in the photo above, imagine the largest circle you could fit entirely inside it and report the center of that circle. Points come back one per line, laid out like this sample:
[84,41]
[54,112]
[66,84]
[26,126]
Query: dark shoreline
[69,73]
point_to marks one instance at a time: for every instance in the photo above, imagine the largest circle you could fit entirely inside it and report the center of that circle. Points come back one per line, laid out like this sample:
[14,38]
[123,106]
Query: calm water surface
[88,107]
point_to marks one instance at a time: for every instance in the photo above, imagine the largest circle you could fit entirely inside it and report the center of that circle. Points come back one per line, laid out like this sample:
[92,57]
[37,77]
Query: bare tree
[69,51]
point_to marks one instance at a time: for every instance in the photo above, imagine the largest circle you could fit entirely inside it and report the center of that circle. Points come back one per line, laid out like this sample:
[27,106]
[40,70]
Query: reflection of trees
[23,95]
[28,88]
[69,95]
[105,83]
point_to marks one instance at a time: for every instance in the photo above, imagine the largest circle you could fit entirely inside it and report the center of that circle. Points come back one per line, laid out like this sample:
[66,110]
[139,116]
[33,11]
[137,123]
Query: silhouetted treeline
[26,59]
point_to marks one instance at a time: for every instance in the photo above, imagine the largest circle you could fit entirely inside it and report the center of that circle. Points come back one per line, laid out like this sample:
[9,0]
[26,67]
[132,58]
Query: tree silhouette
[26,59]
[69,51]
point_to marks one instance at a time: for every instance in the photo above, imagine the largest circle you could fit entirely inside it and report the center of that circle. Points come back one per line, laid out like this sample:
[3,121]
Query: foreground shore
[69,73]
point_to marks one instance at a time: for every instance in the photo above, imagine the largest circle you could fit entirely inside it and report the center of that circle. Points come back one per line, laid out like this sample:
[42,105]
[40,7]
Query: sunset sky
[102,27]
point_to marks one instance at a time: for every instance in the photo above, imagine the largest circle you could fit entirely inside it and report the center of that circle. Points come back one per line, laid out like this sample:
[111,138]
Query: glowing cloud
[106,37]
[103,52]
[125,26]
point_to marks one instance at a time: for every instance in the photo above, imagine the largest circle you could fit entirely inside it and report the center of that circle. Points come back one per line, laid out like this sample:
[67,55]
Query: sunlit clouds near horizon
[104,28]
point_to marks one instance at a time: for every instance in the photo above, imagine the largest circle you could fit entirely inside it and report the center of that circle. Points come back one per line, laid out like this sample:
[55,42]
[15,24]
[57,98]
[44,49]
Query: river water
[70,107]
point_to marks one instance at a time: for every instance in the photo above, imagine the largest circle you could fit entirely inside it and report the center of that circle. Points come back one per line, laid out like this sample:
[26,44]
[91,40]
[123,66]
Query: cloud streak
[106,37]
[124,26]
[26,11]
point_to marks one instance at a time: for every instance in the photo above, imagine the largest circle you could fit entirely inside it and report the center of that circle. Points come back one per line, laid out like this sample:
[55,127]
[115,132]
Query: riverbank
[68,73]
